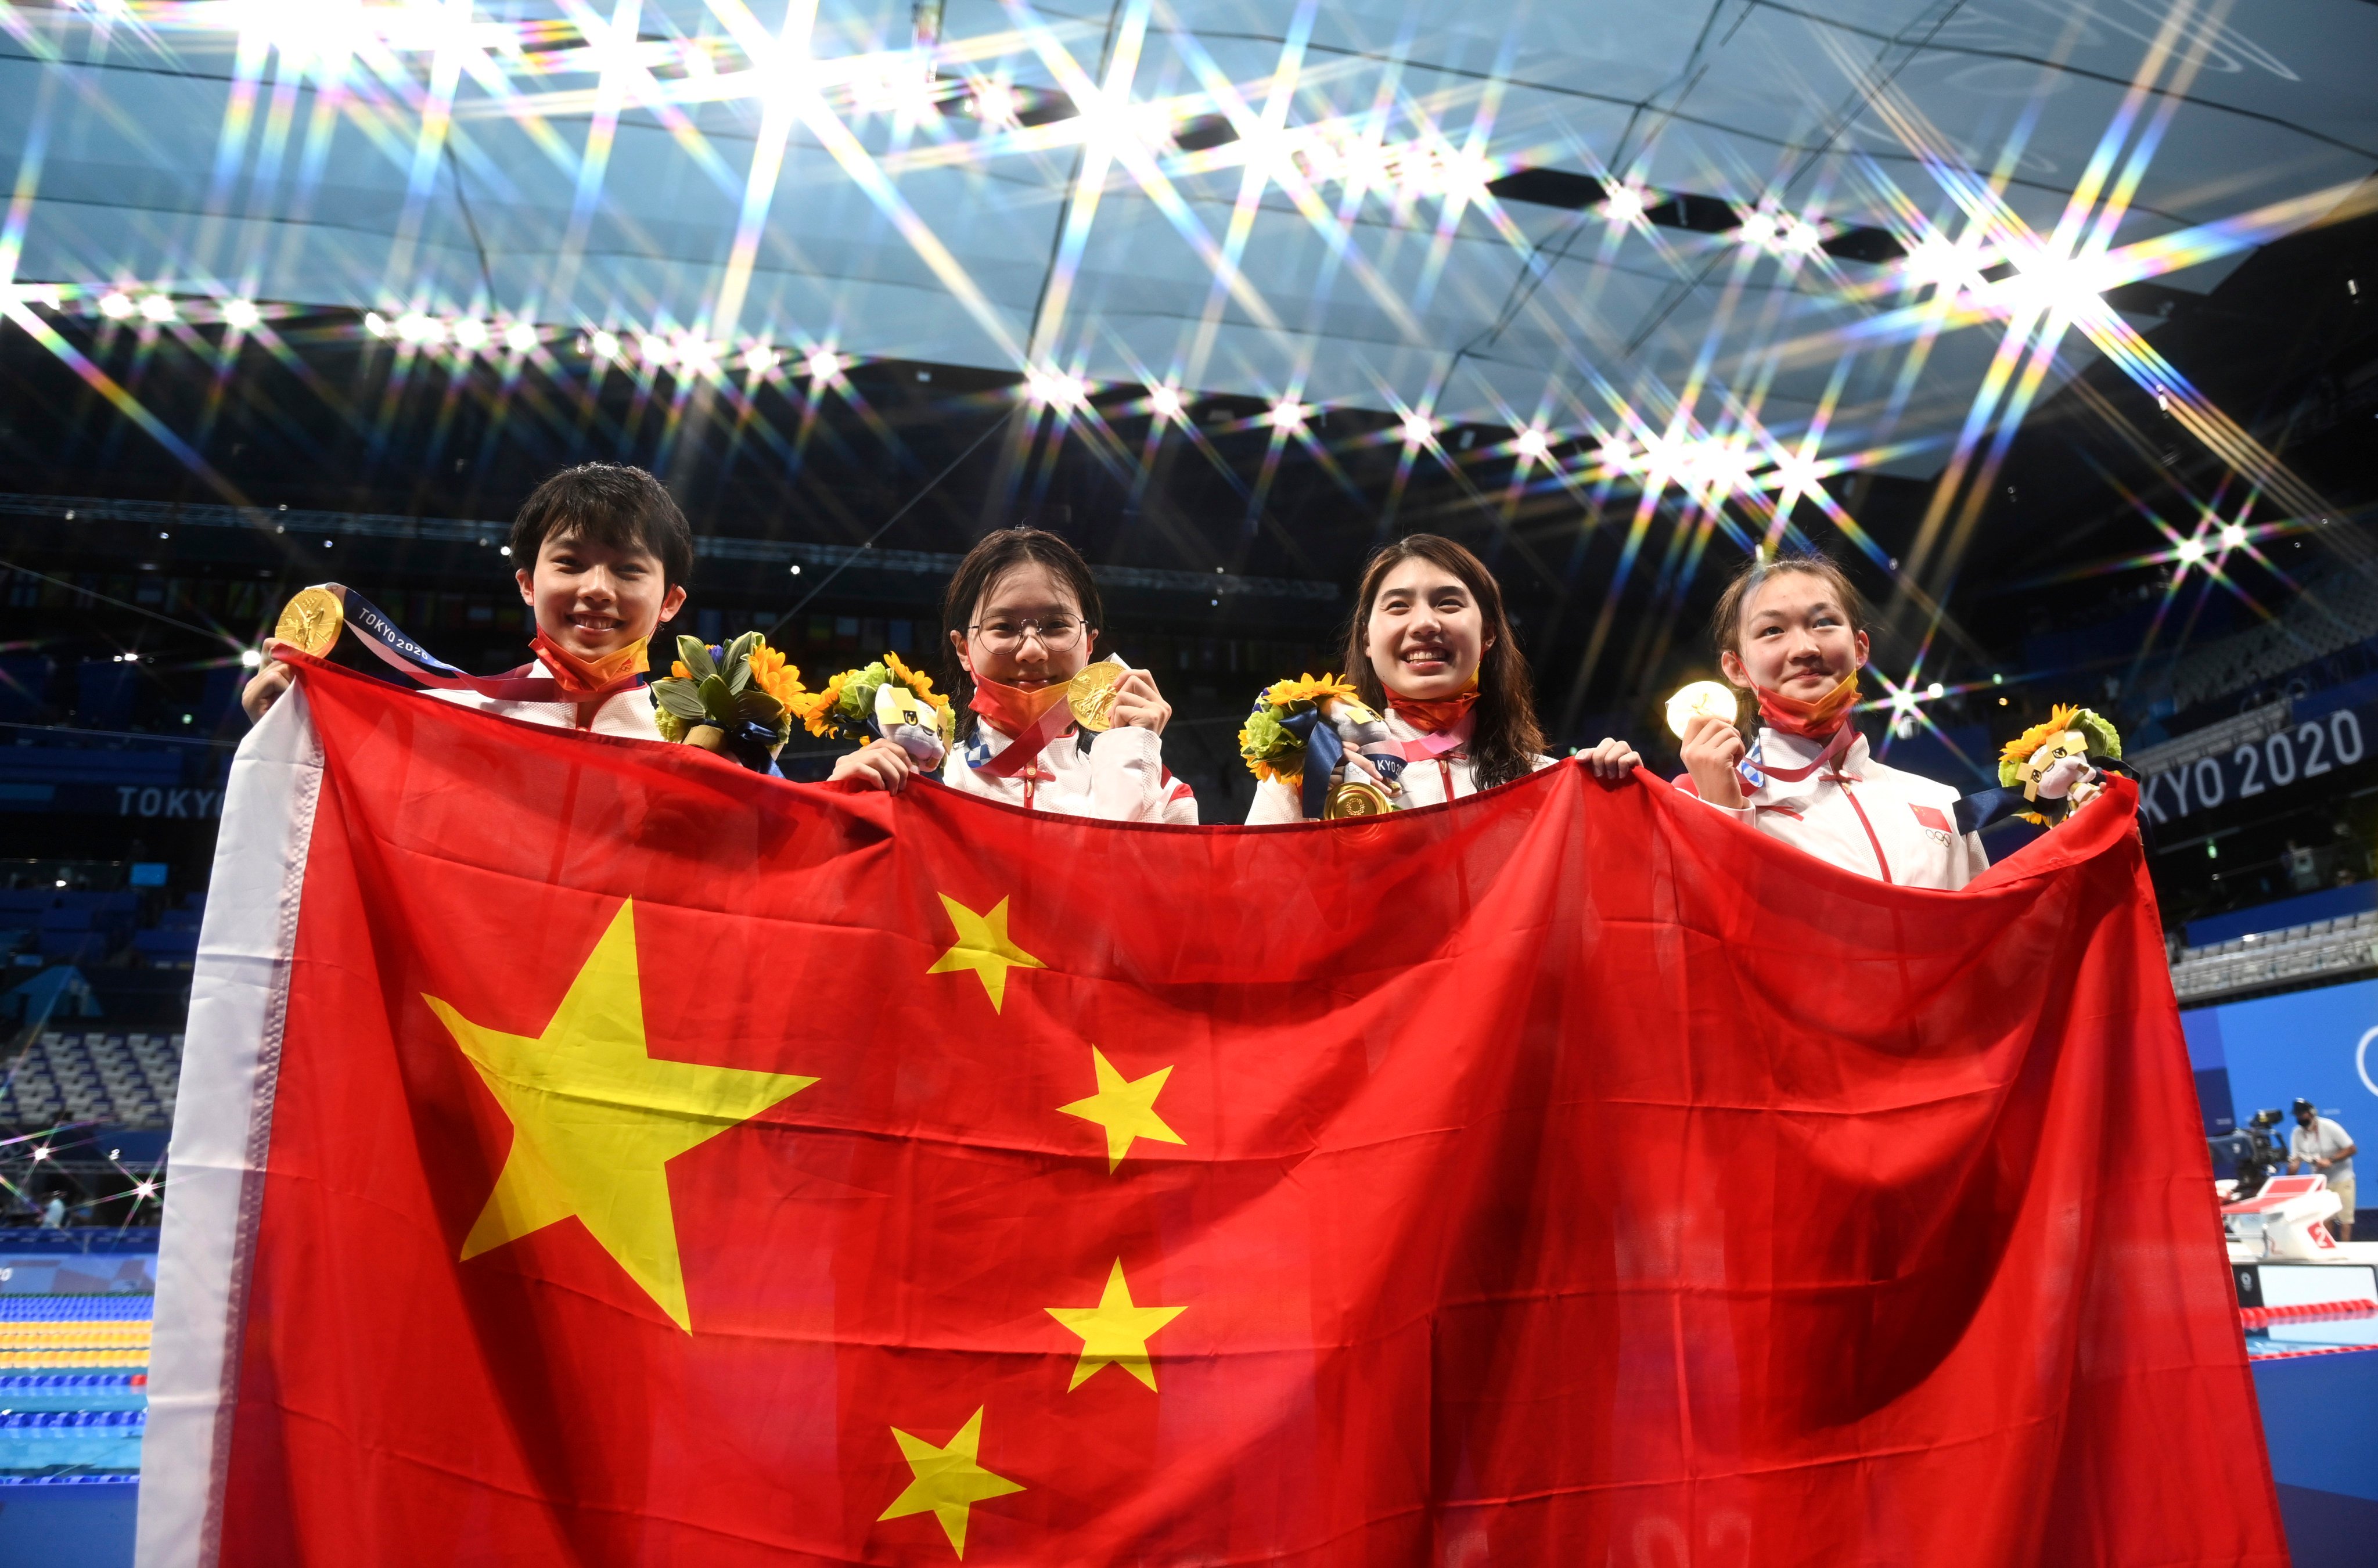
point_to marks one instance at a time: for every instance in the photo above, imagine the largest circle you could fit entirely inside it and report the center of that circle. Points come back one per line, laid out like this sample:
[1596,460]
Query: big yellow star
[983,946]
[947,1481]
[1114,1333]
[595,1119]
[1125,1107]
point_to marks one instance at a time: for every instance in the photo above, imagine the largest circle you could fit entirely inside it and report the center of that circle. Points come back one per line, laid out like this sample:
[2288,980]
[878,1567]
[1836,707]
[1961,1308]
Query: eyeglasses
[1057,634]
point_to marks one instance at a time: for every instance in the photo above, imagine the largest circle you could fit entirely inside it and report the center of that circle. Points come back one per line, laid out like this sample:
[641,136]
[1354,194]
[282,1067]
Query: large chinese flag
[592,1153]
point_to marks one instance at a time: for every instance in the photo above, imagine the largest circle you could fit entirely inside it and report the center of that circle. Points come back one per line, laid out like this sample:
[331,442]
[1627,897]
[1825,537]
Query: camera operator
[2321,1145]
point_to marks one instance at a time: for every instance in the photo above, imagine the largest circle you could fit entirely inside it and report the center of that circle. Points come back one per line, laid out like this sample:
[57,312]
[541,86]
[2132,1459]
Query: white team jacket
[1857,814]
[1427,783]
[1121,778]
[628,713]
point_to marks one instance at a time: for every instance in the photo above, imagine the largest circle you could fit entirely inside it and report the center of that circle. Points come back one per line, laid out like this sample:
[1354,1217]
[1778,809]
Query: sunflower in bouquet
[885,699]
[737,699]
[1271,740]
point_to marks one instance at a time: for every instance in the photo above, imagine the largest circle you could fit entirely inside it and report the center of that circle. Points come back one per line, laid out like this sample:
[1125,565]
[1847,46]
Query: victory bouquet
[736,700]
[2055,763]
[886,700]
[1320,739]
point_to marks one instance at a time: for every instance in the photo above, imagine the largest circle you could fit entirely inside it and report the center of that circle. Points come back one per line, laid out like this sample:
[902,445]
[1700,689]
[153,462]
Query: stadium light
[823,365]
[1533,445]
[760,358]
[1165,403]
[375,324]
[1417,429]
[241,314]
[2233,536]
[603,346]
[2189,551]
[1624,204]
[251,659]
[470,332]
[158,307]
[1286,415]
[1056,388]
[521,337]
[115,304]
[996,105]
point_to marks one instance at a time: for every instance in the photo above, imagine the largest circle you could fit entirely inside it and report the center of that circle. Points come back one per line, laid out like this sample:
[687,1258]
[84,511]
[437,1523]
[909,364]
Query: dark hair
[1725,622]
[993,557]
[606,503]
[1507,740]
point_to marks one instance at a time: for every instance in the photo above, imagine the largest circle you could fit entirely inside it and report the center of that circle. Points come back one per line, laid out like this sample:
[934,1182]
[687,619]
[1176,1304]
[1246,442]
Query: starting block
[2286,1219]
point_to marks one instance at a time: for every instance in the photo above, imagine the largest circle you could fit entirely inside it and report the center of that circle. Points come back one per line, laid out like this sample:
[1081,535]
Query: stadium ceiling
[1734,246]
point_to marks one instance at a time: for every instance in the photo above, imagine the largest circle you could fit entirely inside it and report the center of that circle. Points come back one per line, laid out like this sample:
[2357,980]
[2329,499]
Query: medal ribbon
[1031,720]
[401,653]
[1323,752]
[1429,747]
[1836,747]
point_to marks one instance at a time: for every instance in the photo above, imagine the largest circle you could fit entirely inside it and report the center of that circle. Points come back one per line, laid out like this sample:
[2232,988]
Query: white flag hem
[222,1123]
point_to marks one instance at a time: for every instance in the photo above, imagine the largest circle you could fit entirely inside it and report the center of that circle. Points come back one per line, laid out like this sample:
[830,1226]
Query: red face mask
[1818,720]
[1431,715]
[587,678]
[1011,709]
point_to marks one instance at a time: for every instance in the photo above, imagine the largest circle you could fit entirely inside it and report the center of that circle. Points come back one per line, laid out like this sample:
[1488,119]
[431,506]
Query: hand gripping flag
[593,1152]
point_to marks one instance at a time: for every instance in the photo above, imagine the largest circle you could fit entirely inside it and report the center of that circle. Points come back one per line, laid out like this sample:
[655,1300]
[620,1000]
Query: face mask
[1816,720]
[585,677]
[1011,709]
[1433,714]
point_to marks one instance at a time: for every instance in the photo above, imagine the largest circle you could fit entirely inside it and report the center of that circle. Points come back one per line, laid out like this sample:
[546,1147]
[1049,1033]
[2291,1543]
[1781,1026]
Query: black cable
[905,508]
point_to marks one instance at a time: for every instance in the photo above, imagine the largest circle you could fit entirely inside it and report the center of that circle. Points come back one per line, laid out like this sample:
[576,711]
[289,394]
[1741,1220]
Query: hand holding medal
[1111,694]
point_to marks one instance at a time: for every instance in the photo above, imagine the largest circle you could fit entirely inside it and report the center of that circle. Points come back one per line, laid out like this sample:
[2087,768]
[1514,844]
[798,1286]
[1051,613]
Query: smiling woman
[1432,648]
[607,554]
[1792,630]
[1023,618]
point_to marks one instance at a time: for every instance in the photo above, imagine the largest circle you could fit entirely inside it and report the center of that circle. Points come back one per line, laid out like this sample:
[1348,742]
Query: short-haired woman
[1022,617]
[1791,632]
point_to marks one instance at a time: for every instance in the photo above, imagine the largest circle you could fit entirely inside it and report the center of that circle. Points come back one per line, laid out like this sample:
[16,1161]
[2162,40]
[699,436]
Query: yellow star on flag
[947,1481]
[595,1119]
[983,946]
[1114,1333]
[1125,1107]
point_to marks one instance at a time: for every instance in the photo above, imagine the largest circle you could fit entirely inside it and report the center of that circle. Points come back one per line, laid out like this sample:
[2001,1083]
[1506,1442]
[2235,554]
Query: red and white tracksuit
[1839,804]
[1121,778]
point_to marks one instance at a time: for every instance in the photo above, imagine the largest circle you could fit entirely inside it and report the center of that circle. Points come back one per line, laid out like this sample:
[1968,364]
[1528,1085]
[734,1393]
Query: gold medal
[1091,695]
[1700,699]
[1356,797]
[311,622]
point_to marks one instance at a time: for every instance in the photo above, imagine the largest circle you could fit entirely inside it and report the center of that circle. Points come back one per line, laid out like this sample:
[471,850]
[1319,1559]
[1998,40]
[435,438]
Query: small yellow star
[982,947]
[595,1119]
[1114,1333]
[1126,1108]
[947,1481]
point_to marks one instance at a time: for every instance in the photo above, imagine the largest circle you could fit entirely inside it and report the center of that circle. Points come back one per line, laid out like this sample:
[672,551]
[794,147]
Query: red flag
[597,1153]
